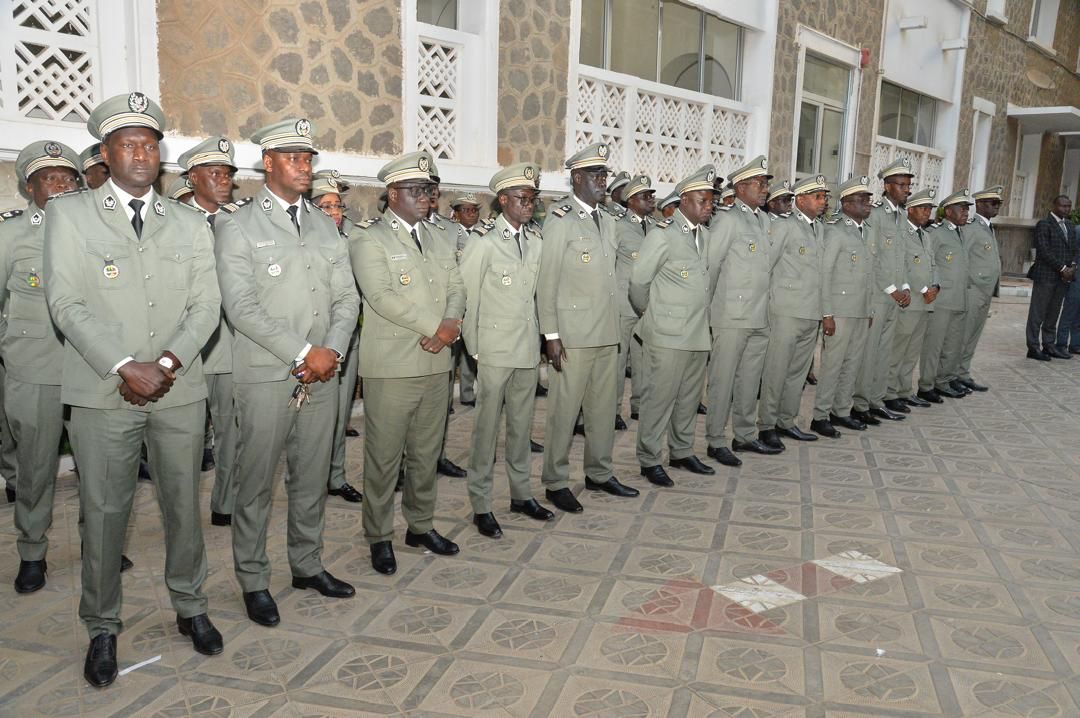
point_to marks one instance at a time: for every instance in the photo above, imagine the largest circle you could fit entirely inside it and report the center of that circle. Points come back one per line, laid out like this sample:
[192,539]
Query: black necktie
[416,239]
[292,209]
[596,217]
[210,219]
[136,219]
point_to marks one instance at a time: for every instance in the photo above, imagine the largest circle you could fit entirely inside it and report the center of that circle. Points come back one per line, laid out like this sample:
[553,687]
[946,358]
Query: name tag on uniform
[260,245]
[398,257]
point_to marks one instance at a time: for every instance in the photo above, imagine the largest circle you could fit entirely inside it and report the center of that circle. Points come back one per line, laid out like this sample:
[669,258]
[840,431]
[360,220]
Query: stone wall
[534,55]
[231,68]
[855,22]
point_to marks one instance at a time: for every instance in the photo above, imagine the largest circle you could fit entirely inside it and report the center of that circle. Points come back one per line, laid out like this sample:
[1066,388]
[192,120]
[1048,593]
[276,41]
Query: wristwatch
[167,363]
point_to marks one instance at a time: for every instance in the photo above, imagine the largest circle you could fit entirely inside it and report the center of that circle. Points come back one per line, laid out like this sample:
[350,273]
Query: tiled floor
[927,568]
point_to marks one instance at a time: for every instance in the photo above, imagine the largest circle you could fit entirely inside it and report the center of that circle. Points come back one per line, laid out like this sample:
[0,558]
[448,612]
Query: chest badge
[586,257]
[634,255]
[802,250]
[753,247]
[986,247]
[888,241]
[506,279]
[854,257]
[948,257]
[274,270]
[110,270]
[33,279]
[917,260]
[685,273]
[405,279]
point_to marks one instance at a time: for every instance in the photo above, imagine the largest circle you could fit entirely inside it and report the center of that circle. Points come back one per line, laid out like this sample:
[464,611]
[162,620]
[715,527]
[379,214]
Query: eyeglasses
[416,191]
[524,200]
[333,206]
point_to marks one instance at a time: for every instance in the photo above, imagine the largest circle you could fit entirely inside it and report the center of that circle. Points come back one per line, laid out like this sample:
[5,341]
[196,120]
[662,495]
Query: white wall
[914,58]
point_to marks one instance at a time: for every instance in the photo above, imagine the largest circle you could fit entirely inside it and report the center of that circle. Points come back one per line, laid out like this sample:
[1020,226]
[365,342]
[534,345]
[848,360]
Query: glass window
[890,110]
[438,12]
[680,52]
[804,157]
[634,32]
[825,78]
[723,49]
[820,147]
[592,33]
[832,137]
[907,116]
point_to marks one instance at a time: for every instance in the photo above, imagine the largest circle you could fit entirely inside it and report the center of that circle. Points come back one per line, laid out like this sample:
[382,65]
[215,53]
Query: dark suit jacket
[1053,250]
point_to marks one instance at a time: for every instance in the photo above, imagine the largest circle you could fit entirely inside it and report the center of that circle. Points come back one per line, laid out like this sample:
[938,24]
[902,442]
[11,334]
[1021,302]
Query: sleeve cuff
[550,337]
[303,353]
[890,289]
[924,290]
[905,287]
[826,316]
[122,362]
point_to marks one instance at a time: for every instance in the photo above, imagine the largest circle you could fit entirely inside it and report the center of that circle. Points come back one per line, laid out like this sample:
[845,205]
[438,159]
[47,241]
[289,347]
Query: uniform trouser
[941,348]
[588,382]
[107,444]
[907,348]
[269,425]
[841,356]
[407,416]
[630,353]
[787,362]
[219,388]
[669,402]
[873,380]
[978,309]
[1043,312]
[735,366]
[467,365]
[501,391]
[36,415]
[8,462]
[346,379]
[1068,331]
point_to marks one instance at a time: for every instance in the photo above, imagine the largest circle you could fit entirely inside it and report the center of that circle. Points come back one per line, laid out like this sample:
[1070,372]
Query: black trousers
[1043,312]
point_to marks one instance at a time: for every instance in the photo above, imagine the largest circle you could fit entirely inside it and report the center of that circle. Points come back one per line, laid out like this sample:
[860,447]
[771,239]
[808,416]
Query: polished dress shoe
[949,392]
[865,417]
[99,670]
[446,467]
[351,432]
[825,428]
[916,401]
[487,525]
[564,500]
[931,396]
[433,541]
[957,385]
[848,422]
[541,390]
[723,455]
[692,464]
[1056,352]
[657,476]
[348,493]
[207,459]
[382,557]
[756,446]
[611,486]
[31,576]
[9,491]
[888,414]
[770,438]
[897,405]
[794,432]
[579,430]
[976,386]
[217,519]
[811,379]
[125,563]
[205,639]
[634,415]
[531,508]
[261,608]
[450,411]
[620,425]
[468,402]
[702,409]
[535,448]
[1037,354]
[325,583]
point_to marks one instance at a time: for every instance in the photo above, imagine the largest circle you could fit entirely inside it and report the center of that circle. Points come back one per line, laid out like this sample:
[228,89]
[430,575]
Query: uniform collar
[410,228]
[586,207]
[984,219]
[799,214]
[124,199]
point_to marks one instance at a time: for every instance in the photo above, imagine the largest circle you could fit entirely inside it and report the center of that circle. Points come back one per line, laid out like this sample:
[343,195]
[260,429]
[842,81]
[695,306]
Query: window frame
[918,115]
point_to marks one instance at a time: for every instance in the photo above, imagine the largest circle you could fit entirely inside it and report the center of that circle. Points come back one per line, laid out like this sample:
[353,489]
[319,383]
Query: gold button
[151,334]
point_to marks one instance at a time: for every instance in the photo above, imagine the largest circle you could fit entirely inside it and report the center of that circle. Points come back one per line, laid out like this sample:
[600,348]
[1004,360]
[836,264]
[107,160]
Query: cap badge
[530,172]
[602,150]
[821,179]
[423,164]
[931,193]
[223,145]
[138,102]
[764,163]
[864,180]
[303,128]
[52,149]
[710,176]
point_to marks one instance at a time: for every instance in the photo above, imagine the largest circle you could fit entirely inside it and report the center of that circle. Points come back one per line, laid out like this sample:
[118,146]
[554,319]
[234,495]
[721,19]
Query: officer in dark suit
[1054,269]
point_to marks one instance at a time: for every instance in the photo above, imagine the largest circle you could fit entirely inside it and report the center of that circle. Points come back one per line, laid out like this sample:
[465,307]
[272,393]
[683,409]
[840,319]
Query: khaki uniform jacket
[32,347]
[847,270]
[797,251]
[669,285]
[919,267]
[629,233]
[282,291]
[885,223]
[739,268]
[217,354]
[406,296]
[951,260]
[113,295]
[500,324]
[984,261]
[447,230]
[576,289]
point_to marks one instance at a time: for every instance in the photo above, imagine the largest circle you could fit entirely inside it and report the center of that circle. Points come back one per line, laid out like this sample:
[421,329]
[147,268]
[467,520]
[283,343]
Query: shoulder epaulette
[191,207]
[369,222]
[481,228]
[879,203]
[561,210]
[664,222]
[230,207]
[434,223]
[10,214]
[725,207]
[832,221]
[77,190]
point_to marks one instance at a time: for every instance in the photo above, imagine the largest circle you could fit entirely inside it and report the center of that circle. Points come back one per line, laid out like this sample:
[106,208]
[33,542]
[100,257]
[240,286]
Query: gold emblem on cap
[602,150]
[529,172]
[821,179]
[423,164]
[138,102]
[710,176]
[52,149]
[931,193]
[864,180]
[303,128]
[643,179]
[223,145]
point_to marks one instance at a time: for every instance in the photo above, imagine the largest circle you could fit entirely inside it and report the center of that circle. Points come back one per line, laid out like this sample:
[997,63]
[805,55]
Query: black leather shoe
[692,464]
[432,541]
[634,415]
[9,491]
[541,390]
[770,438]
[611,486]
[579,430]
[487,525]
[825,428]
[205,639]
[348,493]
[446,467]
[957,385]
[949,392]
[811,379]
[535,448]
[723,455]
[31,576]
[564,500]
[794,432]
[351,432]
[125,563]
[897,405]
[468,402]
[865,417]
[888,414]
[916,401]
[207,459]
[1037,354]
[382,557]
[325,583]
[848,422]
[450,411]
[217,519]
[99,670]
[531,508]
[261,608]
[620,425]
[976,386]
[1057,353]
[756,446]
[702,409]
[657,476]
[931,396]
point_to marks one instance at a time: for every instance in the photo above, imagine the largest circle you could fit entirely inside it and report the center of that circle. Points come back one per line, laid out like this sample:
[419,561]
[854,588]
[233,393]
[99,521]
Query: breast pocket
[111,264]
[176,261]
[269,264]
[403,276]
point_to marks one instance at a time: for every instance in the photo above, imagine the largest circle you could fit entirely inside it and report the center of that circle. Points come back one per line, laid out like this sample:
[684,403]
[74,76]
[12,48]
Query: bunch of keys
[299,395]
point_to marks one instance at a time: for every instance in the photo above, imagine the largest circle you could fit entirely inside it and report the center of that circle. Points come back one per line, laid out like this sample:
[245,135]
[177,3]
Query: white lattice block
[612,107]
[588,109]
[66,17]
[53,83]
[647,114]
[438,70]
[857,566]
[436,131]
[759,593]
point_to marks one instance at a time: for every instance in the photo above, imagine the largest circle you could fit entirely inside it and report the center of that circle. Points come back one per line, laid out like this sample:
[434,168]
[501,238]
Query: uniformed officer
[847,270]
[292,303]
[129,279]
[739,268]
[984,271]
[499,269]
[668,205]
[890,295]
[779,200]
[466,211]
[669,287]
[940,360]
[727,196]
[630,229]
[579,319]
[617,191]
[33,353]
[413,303]
[94,169]
[794,312]
[209,168]
[921,273]
[180,189]
[328,194]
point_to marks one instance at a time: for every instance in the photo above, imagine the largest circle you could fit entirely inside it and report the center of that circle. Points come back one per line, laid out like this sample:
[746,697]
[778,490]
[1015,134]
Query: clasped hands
[448,332]
[902,297]
[146,381]
[319,364]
